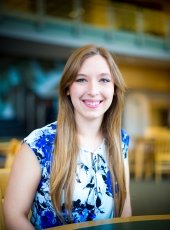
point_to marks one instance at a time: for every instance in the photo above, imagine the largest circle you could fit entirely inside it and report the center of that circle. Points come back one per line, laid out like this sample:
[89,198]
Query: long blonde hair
[66,146]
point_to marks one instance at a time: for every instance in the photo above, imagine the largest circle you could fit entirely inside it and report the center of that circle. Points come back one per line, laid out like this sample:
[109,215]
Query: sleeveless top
[93,196]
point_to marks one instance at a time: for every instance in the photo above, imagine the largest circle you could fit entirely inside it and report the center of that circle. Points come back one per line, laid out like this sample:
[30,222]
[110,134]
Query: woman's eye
[81,80]
[105,80]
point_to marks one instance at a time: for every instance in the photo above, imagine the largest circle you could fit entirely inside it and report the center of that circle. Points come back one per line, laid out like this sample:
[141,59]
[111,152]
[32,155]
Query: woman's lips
[92,103]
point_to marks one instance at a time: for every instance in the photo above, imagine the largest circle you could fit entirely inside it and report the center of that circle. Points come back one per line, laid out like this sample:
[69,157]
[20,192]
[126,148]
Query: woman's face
[92,91]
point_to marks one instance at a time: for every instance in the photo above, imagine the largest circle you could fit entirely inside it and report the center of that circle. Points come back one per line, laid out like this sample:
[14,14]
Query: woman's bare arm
[127,210]
[23,182]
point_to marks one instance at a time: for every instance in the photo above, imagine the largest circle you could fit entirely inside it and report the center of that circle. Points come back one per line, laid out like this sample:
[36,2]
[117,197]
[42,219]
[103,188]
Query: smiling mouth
[92,104]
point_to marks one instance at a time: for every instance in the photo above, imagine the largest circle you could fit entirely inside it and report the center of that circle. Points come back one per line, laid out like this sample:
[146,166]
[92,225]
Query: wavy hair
[66,146]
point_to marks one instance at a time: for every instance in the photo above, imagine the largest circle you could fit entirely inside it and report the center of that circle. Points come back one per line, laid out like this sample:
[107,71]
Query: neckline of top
[101,145]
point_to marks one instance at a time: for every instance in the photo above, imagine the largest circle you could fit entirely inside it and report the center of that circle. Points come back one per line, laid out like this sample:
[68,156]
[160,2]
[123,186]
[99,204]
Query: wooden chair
[157,132]
[162,157]
[143,158]
[4,175]
[13,148]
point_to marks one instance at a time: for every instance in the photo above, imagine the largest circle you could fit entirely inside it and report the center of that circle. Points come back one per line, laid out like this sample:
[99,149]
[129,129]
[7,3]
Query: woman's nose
[93,89]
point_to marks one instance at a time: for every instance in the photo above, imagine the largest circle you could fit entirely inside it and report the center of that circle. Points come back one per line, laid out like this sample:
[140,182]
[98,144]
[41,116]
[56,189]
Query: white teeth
[92,103]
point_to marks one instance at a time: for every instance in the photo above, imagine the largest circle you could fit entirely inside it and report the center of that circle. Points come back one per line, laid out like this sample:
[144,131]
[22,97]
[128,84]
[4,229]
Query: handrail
[117,16]
[113,220]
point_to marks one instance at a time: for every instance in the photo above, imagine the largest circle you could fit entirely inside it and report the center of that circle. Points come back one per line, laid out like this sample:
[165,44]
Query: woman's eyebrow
[105,74]
[100,75]
[81,75]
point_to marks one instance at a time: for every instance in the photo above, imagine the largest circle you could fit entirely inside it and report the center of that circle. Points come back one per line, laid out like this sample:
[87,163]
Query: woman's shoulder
[42,140]
[47,132]
[125,138]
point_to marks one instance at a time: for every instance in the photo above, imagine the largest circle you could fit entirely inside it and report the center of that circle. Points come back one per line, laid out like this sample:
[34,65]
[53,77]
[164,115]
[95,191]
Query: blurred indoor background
[37,37]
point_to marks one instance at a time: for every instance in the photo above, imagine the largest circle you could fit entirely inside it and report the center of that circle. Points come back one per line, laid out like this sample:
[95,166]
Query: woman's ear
[68,92]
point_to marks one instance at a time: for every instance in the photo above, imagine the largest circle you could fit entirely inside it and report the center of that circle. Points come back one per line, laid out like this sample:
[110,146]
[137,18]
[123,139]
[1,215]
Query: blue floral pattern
[92,197]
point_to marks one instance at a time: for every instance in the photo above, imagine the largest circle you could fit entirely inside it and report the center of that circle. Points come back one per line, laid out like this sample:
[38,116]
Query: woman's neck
[89,134]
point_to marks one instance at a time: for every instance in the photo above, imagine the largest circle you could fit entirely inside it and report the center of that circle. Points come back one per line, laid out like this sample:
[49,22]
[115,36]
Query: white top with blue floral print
[93,196]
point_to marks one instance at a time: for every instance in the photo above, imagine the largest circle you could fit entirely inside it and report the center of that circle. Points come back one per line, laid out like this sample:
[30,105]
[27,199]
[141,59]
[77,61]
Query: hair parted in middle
[66,146]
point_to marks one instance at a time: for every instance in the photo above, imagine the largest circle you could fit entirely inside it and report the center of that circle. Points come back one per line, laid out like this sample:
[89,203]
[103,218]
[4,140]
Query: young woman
[75,169]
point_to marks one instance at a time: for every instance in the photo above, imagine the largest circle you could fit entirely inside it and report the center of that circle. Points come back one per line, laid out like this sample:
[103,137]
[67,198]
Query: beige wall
[146,78]
[147,96]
